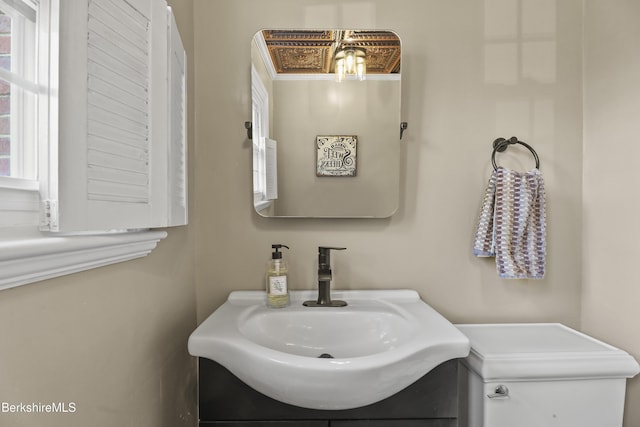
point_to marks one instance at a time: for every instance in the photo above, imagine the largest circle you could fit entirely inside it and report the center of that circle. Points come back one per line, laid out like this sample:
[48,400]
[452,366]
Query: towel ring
[501,144]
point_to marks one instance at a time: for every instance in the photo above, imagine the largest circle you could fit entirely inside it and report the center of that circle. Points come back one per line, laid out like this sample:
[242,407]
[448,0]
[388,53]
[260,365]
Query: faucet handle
[324,260]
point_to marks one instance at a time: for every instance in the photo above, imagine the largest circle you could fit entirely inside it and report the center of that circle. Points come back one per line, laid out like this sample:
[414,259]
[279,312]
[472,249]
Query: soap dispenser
[276,278]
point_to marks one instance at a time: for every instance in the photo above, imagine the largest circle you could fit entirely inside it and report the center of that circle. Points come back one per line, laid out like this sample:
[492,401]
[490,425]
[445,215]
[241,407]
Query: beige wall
[112,340]
[611,291]
[468,77]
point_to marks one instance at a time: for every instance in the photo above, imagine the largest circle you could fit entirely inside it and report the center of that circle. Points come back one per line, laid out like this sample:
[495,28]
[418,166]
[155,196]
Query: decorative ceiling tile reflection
[312,51]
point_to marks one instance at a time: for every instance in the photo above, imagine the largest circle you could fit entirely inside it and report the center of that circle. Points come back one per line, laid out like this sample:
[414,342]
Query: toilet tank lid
[539,351]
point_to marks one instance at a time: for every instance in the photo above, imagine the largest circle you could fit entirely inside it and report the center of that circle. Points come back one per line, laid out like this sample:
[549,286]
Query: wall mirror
[326,123]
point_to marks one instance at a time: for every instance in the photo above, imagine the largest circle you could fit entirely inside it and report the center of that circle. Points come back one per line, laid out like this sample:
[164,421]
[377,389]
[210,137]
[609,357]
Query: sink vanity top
[329,357]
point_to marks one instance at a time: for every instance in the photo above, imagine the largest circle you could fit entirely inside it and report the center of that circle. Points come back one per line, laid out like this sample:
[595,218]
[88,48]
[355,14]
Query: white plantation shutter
[177,161]
[111,140]
[114,164]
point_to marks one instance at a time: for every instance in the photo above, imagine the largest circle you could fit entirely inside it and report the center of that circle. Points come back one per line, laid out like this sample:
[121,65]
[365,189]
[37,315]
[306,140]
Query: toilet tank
[541,375]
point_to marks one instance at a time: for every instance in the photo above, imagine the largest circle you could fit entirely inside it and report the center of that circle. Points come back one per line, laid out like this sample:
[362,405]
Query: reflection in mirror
[326,123]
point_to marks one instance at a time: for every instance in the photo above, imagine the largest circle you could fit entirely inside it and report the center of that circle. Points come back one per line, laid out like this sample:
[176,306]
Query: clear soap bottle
[276,279]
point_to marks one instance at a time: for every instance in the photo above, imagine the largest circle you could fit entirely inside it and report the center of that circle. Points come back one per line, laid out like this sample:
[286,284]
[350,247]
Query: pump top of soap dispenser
[276,254]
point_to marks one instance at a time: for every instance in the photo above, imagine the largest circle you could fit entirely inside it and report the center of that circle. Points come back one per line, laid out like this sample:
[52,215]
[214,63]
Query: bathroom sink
[329,357]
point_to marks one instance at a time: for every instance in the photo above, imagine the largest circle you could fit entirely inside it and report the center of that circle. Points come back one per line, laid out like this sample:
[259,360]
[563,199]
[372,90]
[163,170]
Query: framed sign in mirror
[337,155]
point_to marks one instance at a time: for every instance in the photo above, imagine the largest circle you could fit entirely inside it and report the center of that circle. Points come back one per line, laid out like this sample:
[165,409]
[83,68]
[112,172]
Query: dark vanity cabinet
[225,401]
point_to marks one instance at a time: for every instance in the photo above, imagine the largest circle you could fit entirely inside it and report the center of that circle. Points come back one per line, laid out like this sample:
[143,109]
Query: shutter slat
[107,175]
[125,71]
[126,124]
[119,107]
[134,88]
[116,192]
[123,97]
[99,143]
[122,136]
[118,163]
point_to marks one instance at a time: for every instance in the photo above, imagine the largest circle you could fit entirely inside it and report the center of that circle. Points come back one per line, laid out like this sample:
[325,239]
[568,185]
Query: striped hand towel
[512,224]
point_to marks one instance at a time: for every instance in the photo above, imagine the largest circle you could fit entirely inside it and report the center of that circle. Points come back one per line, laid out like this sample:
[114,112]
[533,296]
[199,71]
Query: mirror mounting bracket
[403,127]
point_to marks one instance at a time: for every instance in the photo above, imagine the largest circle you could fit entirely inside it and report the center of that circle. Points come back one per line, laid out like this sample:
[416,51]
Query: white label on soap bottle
[278,285]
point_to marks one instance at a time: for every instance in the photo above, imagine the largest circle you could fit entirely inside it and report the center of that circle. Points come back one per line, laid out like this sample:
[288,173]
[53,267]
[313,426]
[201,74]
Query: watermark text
[38,408]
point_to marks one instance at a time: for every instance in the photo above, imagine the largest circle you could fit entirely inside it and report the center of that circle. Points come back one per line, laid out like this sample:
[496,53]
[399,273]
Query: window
[96,151]
[22,57]
[18,88]
[260,109]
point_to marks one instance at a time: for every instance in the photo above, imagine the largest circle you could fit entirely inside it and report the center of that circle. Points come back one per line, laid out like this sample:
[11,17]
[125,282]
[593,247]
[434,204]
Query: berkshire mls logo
[38,408]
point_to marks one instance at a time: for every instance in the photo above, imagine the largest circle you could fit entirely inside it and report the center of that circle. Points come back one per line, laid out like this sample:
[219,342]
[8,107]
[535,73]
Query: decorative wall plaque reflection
[336,155]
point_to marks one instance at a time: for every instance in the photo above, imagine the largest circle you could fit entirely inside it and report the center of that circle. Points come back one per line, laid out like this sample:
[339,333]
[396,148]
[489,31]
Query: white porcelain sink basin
[329,358]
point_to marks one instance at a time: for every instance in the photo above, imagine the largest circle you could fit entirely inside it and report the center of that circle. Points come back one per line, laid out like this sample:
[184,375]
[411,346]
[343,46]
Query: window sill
[29,259]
